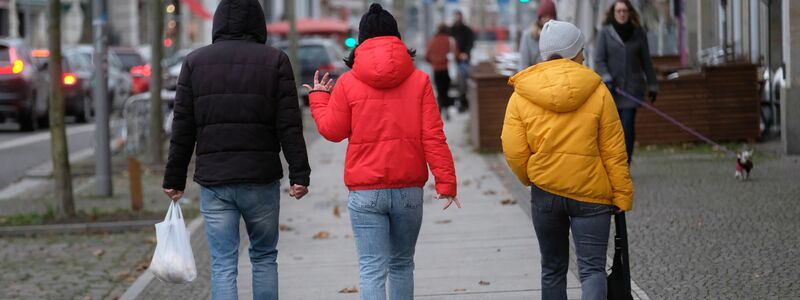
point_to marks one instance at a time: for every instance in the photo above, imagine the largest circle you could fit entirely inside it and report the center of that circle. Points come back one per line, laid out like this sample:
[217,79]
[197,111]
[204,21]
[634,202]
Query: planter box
[488,98]
[720,102]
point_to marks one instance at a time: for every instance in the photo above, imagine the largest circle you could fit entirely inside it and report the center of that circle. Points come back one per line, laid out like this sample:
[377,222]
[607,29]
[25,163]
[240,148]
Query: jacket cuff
[174,183]
[304,181]
[318,91]
[446,189]
[624,205]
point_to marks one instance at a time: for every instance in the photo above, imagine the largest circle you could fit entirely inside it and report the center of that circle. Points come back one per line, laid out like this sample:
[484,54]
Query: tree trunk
[155,138]
[58,135]
[291,16]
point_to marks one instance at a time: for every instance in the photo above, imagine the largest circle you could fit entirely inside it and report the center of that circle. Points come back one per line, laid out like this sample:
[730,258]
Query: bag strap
[169,211]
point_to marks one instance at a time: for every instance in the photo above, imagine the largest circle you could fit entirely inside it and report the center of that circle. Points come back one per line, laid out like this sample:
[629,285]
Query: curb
[105,227]
[146,277]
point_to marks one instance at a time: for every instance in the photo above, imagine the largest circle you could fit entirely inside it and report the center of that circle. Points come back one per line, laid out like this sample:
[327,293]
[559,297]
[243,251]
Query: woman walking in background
[622,58]
[562,136]
[386,109]
[438,48]
[529,44]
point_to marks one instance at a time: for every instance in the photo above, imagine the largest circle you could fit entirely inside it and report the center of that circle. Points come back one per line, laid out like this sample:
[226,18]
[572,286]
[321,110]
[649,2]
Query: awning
[311,26]
[198,9]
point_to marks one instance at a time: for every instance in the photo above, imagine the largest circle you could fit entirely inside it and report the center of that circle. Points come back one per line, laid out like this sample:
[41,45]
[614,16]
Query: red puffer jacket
[387,110]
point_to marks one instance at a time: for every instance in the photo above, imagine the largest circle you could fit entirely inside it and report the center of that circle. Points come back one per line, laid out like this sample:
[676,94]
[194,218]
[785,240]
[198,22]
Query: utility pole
[58,134]
[291,16]
[101,105]
[155,127]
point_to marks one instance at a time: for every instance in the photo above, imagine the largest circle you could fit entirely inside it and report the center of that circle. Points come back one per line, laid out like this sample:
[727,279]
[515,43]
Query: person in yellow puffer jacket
[563,137]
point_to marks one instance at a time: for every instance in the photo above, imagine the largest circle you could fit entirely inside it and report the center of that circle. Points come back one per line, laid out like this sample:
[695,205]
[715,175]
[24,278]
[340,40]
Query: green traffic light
[350,42]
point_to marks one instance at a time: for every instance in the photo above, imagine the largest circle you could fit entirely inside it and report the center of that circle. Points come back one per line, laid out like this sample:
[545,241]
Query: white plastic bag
[173,260]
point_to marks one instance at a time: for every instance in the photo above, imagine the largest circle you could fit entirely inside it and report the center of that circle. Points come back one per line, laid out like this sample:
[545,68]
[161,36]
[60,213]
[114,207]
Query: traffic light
[350,42]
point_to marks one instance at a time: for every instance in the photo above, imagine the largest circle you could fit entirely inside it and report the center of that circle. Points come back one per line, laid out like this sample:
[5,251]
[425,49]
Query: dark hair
[634,15]
[350,60]
[443,29]
[554,57]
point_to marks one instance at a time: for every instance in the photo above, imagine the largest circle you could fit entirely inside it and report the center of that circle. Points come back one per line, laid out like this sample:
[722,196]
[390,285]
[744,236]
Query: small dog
[744,163]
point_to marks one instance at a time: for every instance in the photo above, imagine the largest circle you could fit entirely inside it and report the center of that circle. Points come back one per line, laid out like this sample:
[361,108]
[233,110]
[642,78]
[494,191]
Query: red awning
[198,9]
[311,26]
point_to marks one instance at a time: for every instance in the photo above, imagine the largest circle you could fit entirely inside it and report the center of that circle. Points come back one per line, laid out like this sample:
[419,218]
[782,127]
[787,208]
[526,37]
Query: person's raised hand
[324,85]
[298,191]
[450,201]
[173,194]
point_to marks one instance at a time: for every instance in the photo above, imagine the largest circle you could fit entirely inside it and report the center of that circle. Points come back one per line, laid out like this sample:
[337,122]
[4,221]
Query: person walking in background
[438,48]
[563,137]
[529,43]
[236,104]
[465,40]
[623,60]
[386,109]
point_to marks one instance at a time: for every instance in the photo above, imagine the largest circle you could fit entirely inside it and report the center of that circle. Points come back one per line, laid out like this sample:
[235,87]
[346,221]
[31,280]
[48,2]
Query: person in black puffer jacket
[237,106]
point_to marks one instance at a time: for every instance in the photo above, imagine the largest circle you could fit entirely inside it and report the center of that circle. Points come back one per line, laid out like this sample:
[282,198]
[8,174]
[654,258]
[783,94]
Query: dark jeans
[553,217]
[628,118]
[442,81]
[463,79]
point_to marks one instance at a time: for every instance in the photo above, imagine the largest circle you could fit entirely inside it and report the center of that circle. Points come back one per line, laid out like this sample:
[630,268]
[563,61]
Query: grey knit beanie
[560,38]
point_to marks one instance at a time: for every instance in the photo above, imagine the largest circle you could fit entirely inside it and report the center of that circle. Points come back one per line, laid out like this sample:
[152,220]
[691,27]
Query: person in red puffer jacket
[386,109]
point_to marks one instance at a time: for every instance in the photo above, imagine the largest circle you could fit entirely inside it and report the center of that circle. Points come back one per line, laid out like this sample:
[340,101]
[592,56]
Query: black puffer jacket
[237,101]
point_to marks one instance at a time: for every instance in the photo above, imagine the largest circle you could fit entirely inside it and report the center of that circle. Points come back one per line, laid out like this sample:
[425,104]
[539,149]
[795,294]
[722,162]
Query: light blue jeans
[258,204]
[386,224]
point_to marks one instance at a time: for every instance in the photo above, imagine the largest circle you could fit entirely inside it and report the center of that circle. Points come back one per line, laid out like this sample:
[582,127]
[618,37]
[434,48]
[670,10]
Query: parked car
[172,68]
[127,57]
[119,81]
[23,86]
[77,80]
[315,54]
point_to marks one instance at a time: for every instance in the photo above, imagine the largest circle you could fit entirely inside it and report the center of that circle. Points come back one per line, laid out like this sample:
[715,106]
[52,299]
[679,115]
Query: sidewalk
[486,250]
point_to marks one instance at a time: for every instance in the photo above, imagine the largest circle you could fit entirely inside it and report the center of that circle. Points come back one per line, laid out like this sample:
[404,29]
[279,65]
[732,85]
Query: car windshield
[129,60]
[311,57]
[80,62]
[4,54]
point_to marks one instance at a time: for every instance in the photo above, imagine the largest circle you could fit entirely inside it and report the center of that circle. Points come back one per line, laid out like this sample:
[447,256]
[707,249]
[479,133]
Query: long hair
[350,60]
[634,15]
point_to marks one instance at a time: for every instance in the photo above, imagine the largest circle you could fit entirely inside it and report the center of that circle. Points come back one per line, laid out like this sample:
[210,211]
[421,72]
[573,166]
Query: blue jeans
[627,117]
[386,224]
[258,204]
[553,216]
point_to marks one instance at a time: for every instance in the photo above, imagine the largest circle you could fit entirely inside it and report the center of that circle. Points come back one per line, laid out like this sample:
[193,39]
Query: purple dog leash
[673,121]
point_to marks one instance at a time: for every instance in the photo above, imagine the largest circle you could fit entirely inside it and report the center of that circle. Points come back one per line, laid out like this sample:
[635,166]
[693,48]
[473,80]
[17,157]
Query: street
[22,151]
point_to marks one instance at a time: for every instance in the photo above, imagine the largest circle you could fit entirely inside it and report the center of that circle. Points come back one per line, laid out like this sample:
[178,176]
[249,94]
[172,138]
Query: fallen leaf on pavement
[348,290]
[348,236]
[490,192]
[87,298]
[322,235]
[508,202]
[99,252]
[460,290]
[284,227]
[467,182]
[151,239]
[336,212]
[143,265]
[484,282]
[444,222]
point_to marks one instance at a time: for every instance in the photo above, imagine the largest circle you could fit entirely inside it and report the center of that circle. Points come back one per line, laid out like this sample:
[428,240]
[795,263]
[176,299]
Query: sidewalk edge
[144,280]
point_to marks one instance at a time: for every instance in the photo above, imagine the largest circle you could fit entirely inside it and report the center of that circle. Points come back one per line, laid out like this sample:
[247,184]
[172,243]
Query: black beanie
[377,22]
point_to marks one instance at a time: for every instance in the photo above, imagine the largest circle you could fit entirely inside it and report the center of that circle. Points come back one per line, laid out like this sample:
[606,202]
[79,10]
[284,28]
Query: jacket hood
[383,62]
[559,85]
[240,20]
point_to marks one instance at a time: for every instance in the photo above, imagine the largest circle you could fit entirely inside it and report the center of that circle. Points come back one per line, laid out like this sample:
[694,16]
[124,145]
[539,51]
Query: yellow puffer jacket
[562,133]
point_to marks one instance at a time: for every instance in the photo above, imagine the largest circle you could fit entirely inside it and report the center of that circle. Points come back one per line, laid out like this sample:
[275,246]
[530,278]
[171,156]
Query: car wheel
[87,111]
[27,121]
